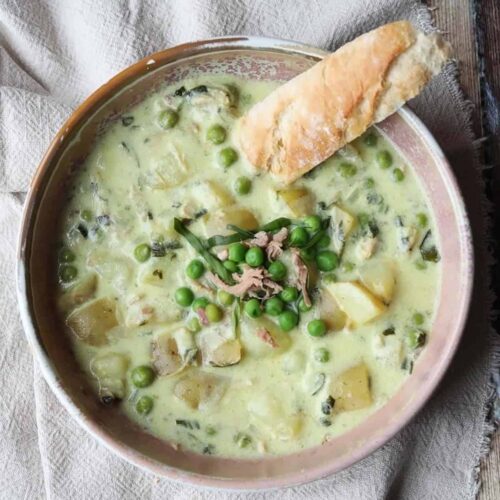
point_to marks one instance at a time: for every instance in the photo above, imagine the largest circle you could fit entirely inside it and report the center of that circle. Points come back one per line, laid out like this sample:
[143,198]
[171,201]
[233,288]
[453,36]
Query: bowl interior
[249,59]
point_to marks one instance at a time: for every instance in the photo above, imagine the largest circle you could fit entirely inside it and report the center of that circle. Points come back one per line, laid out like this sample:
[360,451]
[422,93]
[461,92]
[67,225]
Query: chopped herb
[103,220]
[107,399]
[159,273]
[322,205]
[176,204]
[209,449]
[428,249]
[389,331]
[327,405]
[125,146]
[240,231]
[172,245]
[416,338]
[200,213]
[180,91]
[319,382]
[211,431]
[373,198]
[158,249]
[200,89]
[127,120]
[82,229]
[242,440]
[149,215]
[275,224]
[326,422]
[399,221]
[188,424]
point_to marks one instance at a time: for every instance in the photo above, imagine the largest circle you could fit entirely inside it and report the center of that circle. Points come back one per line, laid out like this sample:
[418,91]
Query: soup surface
[228,314]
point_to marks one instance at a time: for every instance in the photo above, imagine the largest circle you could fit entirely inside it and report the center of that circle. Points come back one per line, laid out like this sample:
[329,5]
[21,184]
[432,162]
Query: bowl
[254,58]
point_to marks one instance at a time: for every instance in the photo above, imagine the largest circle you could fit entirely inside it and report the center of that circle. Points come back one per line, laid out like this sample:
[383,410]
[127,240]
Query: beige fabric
[53,54]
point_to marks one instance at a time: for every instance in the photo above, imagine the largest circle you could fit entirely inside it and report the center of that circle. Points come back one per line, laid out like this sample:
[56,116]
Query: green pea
[227,157]
[370,140]
[66,255]
[369,183]
[416,338]
[288,320]
[289,294]
[86,215]
[398,175]
[422,219]
[184,296]
[384,159]
[68,273]
[418,319]
[195,269]
[142,376]
[252,308]
[363,219]
[303,307]
[254,257]
[243,185]
[327,260]
[299,237]
[168,118]
[142,252]
[274,306]
[237,252]
[216,134]
[231,266]
[347,170]
[308,254]
[322,355]
[199,303]
[313,223]
[214,313]
[324,241]
[225,298]
[144,405]
[329,278]
[194,325]
[316,328]
[278,271]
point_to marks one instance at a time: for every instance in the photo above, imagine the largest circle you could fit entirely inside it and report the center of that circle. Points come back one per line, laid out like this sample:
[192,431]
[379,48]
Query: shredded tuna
[274,248]
[264,335]
[261,239]
[223,254]
[302,275]
[203,317]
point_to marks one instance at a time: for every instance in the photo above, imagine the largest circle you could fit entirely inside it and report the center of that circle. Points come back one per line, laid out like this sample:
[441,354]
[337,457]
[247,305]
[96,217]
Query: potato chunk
[241,217]
[356,301]
[171,352]
[342,223]
[110,370]
[351,389]
[81,292]
[331,313]
[199,390]
[92,321]
[300,201]
[379,278]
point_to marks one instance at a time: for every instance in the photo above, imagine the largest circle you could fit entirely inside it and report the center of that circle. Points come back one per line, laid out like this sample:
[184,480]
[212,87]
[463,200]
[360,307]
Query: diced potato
[92,321]
[158,272]
[81,292]
[115,269]
[351,389]
[379,278]
[200,390]
[331,313]
[356,301]
[227,354]
[269,415]
[241,217]
[171,352]
[407,237]
[218,346]
[342,223]
[388,350]
[366,247]
[256,345]
[211,195]
[300,201]
[166,167]
[110,370]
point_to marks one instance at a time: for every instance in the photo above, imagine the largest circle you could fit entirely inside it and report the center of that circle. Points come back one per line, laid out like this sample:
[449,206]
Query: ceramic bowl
[253,58]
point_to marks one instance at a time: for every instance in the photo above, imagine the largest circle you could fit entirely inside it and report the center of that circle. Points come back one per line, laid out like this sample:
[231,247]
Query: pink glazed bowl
[251,58]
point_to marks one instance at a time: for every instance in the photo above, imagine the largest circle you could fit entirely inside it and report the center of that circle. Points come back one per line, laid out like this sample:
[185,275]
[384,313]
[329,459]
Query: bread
[307,119]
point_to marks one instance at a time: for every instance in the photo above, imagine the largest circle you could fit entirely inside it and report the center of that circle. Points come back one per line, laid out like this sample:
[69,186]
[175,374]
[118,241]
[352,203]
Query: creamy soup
[226,313]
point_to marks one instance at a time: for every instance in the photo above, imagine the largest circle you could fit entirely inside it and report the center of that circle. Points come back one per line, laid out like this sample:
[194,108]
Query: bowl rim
[101,94]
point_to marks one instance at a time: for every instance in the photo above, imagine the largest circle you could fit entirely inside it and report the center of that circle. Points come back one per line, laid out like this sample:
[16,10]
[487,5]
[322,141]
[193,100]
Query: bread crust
[307,119]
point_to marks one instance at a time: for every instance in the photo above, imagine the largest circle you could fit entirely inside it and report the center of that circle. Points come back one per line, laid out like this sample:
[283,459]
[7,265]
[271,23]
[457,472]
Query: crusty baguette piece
[307,119]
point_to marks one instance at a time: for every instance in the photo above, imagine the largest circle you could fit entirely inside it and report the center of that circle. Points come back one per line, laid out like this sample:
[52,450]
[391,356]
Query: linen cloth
[52,55]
